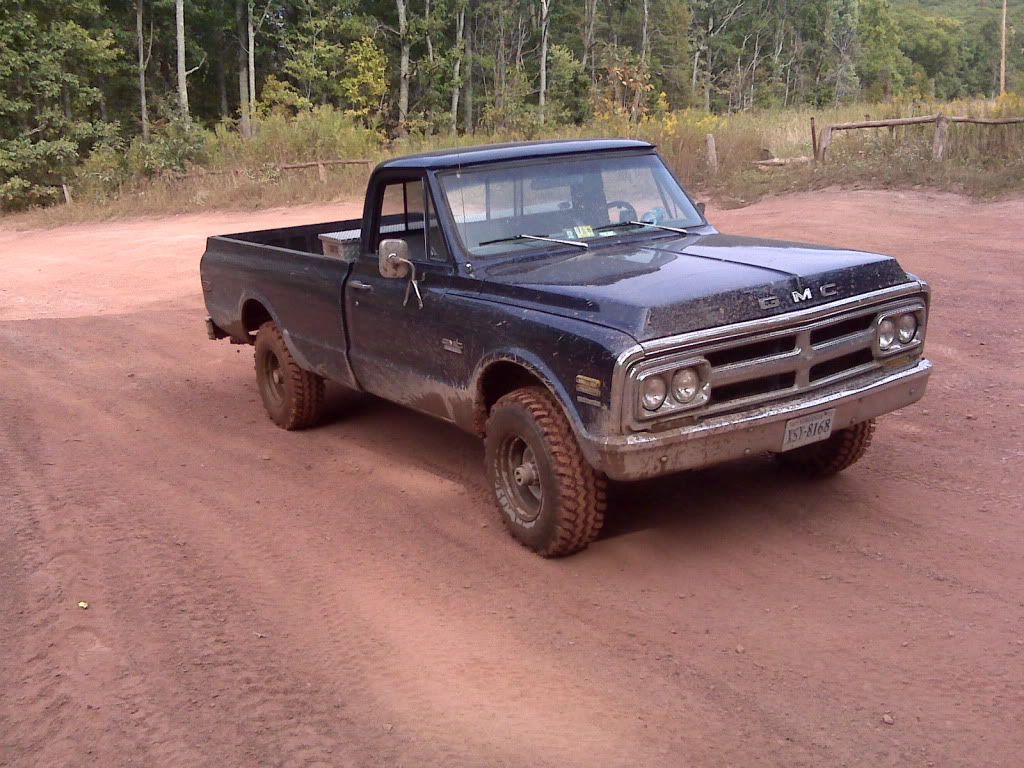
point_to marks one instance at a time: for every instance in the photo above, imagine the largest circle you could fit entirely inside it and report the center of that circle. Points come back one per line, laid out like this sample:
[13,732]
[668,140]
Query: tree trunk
[251,38]
[430,42]
[589,28]
[1002,55]
[144,112]
[467,103]
[545,26]
[179,20]
[645,52]
[221,74]
[244,124]
[403,68]
[460,26]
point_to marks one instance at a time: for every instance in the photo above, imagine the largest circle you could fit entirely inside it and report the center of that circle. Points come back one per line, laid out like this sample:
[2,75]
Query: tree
[54,55]
[143,63]
[881,65]
[1002,53]
[179,24]
[244,96]
[403,66]
[545,27]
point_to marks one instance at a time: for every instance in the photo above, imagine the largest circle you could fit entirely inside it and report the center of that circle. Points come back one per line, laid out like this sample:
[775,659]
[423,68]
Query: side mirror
[393,258]
[701,207]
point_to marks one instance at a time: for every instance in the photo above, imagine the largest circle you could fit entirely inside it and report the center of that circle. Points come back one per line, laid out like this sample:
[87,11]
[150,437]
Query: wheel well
[254,315]
[497,380]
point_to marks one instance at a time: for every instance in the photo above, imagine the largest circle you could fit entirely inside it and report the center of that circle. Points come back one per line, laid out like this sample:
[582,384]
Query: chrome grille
[755,362]
[763,367]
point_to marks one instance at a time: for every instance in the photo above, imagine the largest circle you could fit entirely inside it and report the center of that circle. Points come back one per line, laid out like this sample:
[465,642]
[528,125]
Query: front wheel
[831,456]
[551,500]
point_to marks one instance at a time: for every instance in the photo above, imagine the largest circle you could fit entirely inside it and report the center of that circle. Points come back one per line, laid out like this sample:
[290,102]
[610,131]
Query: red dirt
[346,596]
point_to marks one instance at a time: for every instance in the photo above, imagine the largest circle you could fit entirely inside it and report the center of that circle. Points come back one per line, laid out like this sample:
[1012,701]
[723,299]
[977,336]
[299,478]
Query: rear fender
[258,297]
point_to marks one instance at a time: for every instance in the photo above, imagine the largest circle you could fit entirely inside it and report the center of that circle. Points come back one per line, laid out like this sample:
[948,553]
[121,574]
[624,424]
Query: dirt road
[347,597]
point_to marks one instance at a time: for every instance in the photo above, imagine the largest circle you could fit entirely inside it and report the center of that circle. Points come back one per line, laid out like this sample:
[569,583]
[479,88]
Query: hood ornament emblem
[825,290]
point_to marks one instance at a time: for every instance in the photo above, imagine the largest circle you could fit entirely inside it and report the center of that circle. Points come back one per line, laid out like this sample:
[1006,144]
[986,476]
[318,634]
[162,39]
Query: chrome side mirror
[393,261]
[393,258]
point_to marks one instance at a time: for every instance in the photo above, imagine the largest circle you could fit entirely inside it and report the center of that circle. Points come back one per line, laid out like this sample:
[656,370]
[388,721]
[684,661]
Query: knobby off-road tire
[293,397]
[551,500]
[831,456]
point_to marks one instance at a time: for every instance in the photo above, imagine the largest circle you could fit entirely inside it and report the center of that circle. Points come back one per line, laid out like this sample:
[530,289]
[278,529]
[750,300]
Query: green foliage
[569,88]
[50,64]
[363,84]
[327,76]
[883,68]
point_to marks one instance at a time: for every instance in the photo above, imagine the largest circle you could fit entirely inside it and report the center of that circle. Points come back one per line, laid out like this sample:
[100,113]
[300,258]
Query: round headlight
[906,327]
[886,334]
[653,392]
[685,385]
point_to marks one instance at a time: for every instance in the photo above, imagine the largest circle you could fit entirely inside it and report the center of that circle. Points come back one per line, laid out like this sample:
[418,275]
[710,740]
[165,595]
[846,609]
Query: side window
[402,216]
[437,250]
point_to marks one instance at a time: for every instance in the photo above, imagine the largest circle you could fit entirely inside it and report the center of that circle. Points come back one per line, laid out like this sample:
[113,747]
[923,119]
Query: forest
[112,89]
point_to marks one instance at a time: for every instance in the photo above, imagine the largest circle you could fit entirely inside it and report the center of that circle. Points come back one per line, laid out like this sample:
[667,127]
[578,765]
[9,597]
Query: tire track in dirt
[732,616]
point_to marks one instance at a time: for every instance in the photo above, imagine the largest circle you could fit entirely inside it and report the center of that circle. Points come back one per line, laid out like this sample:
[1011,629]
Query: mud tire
[573,496]
[829,457]
[292,396]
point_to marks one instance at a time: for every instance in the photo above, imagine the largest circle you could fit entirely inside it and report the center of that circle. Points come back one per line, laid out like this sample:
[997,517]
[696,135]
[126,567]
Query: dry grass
[980,160]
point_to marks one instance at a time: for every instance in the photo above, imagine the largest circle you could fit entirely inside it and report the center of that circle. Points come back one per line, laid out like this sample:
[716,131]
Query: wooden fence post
[823,144]
[321,172]
[814,140]
[67,193]
[712,154]
[939,142]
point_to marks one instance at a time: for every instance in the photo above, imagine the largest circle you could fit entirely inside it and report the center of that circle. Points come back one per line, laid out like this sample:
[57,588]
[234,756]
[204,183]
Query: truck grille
[773,364]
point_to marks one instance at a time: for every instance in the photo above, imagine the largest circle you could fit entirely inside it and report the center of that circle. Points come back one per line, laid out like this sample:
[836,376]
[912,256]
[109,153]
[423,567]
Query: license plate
[808,429]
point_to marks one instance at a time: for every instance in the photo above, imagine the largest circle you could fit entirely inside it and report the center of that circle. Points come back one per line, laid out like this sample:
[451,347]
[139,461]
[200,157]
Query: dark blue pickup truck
[569,303]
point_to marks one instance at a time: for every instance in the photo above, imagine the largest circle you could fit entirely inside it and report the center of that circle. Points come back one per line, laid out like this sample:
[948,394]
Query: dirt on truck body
[343,596]
[570,303]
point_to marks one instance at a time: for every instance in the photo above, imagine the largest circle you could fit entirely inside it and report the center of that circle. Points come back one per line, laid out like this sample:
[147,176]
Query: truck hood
[666,286]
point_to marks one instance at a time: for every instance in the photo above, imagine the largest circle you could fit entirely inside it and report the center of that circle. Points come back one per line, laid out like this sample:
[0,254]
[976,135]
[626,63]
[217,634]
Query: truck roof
[524,150]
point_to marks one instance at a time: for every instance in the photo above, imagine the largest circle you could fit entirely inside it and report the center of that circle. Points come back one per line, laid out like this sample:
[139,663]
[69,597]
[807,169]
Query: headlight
[685,385]
[906,327]
[886,334]
[653,392]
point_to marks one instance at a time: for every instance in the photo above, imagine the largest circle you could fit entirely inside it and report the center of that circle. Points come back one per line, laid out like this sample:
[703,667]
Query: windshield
[580,198]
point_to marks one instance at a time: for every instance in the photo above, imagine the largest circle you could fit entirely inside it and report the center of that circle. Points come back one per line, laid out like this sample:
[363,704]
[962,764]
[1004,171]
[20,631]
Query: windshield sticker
[584,230]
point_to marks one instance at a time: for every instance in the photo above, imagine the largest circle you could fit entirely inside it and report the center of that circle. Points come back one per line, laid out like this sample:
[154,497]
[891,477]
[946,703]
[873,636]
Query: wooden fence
[320,165]
[821,142]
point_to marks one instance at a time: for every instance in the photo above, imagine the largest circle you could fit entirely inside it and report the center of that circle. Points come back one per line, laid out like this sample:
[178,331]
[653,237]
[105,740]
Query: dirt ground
[347,596]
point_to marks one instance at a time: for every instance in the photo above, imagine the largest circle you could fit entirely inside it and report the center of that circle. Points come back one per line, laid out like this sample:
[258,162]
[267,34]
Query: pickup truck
[569,303]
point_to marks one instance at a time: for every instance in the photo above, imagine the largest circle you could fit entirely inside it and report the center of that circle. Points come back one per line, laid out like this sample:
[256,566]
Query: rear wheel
[292,396]
[829,457]
[550,499]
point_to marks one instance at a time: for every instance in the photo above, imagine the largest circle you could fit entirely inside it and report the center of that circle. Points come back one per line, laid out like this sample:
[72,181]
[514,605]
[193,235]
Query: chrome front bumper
[758,430]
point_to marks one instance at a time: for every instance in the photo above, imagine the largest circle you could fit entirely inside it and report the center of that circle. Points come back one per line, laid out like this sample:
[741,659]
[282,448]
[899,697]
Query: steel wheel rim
[520,476]
[273,378]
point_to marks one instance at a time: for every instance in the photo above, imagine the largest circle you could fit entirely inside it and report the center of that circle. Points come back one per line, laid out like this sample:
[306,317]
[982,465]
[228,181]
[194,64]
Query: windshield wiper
[535,237]
[680,230]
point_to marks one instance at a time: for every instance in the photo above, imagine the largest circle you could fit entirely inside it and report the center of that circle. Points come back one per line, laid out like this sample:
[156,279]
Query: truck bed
[285,275]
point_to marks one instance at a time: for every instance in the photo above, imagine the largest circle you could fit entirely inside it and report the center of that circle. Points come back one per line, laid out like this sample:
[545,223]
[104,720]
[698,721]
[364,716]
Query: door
[398,350]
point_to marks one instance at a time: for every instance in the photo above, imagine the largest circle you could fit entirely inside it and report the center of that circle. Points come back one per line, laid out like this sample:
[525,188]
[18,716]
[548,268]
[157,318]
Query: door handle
[359,285]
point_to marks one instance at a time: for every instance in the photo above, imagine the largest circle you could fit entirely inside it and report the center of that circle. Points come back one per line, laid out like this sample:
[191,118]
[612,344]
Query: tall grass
[145,178]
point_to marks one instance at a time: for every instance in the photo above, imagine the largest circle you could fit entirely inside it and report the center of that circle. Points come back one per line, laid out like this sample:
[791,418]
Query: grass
[980,160]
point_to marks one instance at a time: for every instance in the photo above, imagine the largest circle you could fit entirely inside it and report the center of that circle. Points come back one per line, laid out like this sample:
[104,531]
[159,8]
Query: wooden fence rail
[820,143]
[320,165]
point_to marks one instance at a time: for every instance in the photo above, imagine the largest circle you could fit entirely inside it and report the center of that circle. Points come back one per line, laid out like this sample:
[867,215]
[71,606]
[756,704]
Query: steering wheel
[624,207]
[655,215]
